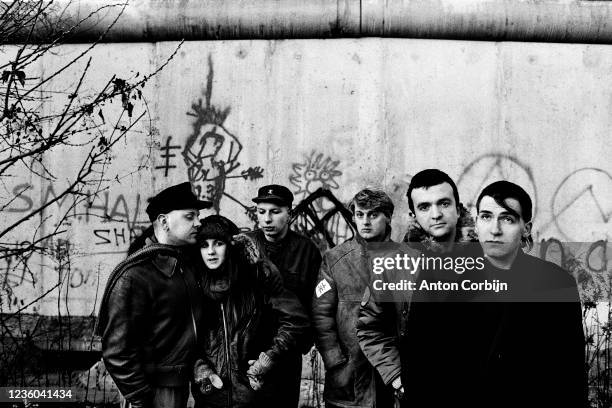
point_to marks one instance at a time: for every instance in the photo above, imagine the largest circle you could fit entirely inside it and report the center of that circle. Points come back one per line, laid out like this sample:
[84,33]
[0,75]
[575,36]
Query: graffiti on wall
[491,167]
[211,151]
[317,171]
[112,220]
[584,197]
[313,172]
[167,156]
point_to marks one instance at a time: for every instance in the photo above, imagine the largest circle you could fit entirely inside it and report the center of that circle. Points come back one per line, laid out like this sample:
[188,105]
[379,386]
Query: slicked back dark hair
[500,191]
[429,178]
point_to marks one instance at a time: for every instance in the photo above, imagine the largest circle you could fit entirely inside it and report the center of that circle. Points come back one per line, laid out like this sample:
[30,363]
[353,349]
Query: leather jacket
[230,339]
[151,307]
[298,263]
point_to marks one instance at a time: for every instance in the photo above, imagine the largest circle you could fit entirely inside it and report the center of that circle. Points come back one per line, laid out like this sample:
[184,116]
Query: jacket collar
[164,263]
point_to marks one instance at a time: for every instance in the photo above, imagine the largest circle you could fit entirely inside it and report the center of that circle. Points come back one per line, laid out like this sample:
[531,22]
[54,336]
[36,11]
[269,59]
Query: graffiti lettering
[119,234]
[78,277]
[98,206]
[100,234]
[593,258]
[603,259]
[18,191]
[548,245]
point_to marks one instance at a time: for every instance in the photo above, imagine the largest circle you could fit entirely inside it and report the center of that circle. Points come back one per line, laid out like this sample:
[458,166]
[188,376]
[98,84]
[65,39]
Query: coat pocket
[340,383]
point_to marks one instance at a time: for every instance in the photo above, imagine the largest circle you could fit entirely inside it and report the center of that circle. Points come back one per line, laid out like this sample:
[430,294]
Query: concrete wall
[343,114]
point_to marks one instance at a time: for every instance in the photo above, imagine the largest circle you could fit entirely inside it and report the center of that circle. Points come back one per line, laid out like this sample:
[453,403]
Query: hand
[257,369]
[207,379]
[398,388]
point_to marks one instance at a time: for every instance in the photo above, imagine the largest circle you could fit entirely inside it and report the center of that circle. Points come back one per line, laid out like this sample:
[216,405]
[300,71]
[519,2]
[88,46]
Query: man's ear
[162,220]
[527,230]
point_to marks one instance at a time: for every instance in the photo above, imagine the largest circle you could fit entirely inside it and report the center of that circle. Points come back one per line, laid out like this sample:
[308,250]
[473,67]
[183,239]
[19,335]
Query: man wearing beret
[298,260]
[152,306]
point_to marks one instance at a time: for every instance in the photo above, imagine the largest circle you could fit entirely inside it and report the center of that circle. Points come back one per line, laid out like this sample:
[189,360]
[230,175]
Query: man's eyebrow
[484,211]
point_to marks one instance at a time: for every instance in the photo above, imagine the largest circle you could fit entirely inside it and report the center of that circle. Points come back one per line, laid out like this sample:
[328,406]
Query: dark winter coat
[350,380]
[488,352]
[298,259]
[535,355]
[274,327]
[149,312]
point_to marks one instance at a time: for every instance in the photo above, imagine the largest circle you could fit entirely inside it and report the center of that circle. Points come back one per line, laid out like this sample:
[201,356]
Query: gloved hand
[142,401]
[249,246]
[206,378]
[258,368]
[398,388]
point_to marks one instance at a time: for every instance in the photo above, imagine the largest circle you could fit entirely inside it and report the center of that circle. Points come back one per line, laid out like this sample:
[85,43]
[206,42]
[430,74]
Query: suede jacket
[350,380]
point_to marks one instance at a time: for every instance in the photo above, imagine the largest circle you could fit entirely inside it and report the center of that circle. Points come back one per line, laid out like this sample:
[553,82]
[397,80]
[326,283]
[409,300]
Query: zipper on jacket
[193,320]
[227,358]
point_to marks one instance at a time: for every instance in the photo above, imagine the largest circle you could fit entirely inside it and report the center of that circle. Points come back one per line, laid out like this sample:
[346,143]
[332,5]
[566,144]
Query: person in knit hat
[252,322]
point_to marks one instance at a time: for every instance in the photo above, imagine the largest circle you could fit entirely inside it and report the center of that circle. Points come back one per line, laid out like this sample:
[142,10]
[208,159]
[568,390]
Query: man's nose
[367,220]
[435,212]
[495,230]
[211,250]
[196,222]
[266,217]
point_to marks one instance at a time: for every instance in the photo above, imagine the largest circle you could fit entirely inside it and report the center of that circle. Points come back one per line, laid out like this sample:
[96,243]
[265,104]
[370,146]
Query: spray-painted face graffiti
[210,155]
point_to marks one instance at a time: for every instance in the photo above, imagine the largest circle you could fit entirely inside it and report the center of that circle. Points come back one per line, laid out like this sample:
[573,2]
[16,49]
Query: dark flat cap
[178,197]
[274,193]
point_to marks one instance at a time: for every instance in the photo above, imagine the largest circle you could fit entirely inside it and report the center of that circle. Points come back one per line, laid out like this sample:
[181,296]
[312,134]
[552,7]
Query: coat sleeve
[310,281]
[378,337]
[324,307]
[292,319]
[123,337]
[313,273]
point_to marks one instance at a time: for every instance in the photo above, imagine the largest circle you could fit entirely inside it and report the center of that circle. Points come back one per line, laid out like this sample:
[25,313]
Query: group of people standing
[202,307]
